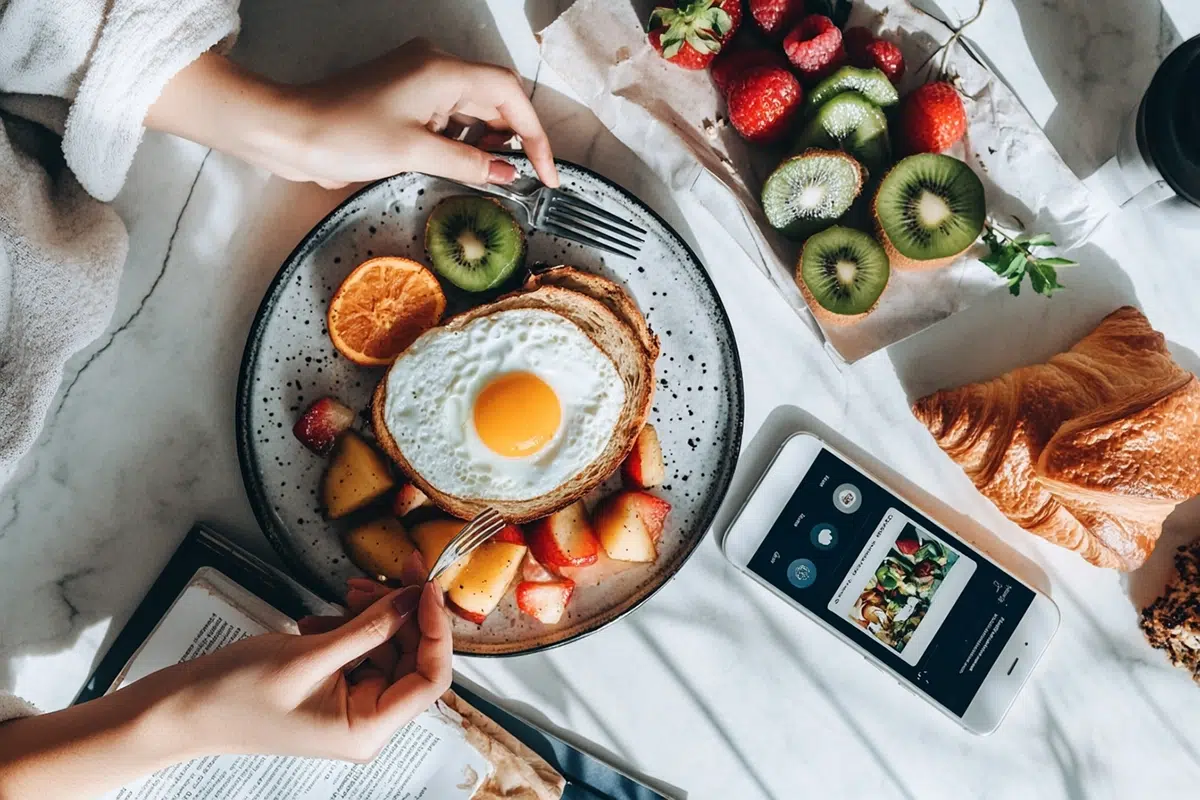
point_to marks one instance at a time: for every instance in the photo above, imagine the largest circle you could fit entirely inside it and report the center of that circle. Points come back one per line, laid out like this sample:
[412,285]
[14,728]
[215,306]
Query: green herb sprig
[1012,257]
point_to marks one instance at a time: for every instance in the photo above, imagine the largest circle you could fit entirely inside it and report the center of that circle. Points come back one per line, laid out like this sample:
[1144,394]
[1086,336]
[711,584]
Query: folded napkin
[87,72]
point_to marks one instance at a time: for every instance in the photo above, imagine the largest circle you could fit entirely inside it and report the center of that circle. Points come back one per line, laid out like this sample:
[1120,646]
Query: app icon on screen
[824,536]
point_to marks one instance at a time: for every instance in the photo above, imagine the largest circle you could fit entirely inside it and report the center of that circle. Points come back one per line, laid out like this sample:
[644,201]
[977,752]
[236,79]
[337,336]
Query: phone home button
[802,573]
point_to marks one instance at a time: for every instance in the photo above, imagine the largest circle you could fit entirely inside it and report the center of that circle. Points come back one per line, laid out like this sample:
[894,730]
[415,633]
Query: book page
[429,758]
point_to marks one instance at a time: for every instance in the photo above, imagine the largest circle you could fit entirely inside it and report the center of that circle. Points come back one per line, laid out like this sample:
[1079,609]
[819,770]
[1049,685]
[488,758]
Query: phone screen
[903,588]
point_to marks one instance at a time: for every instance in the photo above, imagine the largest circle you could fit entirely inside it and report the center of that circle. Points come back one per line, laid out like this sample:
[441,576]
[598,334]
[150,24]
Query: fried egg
[507,407]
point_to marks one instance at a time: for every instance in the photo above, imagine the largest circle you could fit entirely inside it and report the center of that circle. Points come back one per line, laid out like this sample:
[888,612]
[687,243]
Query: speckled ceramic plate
[289,362]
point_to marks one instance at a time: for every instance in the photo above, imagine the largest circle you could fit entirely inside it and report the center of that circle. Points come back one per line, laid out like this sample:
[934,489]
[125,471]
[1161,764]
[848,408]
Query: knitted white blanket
[85,70]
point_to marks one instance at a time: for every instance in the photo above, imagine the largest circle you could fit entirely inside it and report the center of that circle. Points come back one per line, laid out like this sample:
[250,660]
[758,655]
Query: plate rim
[252,481]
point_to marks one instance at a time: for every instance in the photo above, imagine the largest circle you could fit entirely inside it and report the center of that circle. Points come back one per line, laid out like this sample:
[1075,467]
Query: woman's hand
[341,691]
[368,122]
[314,694]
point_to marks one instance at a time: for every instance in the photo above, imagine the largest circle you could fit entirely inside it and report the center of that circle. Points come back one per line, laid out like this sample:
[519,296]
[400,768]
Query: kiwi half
[810,191]
[870,83]
[850,122]
[842,272]
[928,209]
[473,242]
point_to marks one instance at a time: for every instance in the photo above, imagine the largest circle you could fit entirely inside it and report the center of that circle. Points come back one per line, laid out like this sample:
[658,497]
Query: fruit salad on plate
[527,403]
[876,81]
[864,185]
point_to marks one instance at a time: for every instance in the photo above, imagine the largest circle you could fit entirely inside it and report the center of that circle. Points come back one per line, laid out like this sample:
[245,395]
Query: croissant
[1091,450]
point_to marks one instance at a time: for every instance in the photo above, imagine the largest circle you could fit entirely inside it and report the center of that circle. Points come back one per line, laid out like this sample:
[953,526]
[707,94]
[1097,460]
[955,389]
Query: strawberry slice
[545,601]
[408,499]
[531,570]
[510,534]
[564,539]
[644,467]
[320,426]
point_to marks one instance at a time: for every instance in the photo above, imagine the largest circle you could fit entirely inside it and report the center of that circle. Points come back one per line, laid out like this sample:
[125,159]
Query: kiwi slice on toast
[473,242]
[811,191]
[929,209]
[870,83]
[842,272]
[850,122]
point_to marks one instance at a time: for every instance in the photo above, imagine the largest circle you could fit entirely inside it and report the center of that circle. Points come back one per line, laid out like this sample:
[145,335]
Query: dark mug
[1158,153]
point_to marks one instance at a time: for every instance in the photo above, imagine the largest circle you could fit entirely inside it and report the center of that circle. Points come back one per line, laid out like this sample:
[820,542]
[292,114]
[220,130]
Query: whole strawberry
[692,33]
[932,118]
[763,103]
[776,17]
[814,47]
[730,65]
[864,50]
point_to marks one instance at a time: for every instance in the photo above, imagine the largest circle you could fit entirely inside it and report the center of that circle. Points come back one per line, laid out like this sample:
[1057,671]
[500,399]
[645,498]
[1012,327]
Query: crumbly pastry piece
[1091,450]
[520,773]
[1172,622]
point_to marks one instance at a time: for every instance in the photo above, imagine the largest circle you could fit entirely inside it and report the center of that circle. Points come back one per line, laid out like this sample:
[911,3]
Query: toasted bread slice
[607,292]
[616,338]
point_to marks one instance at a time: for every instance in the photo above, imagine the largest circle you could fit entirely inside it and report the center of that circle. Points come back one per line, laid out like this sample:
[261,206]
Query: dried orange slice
[382,307]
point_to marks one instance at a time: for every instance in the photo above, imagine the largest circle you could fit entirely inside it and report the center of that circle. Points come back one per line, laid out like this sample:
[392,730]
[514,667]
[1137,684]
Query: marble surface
[714,687]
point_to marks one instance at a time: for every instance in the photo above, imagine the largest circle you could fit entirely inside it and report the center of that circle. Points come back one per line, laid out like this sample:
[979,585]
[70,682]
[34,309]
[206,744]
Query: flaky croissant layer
[1091,450]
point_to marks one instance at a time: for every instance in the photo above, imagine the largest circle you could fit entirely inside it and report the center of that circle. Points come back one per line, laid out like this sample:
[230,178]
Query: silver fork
[486,524]
[568,215]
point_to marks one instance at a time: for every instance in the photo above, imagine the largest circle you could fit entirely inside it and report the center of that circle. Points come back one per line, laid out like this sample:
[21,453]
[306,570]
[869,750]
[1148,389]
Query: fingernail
[500,171]
[407,600]
[438,594]
[362,584]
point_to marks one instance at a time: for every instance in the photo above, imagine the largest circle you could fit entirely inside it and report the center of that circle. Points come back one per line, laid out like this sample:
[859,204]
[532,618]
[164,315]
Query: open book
[212,594]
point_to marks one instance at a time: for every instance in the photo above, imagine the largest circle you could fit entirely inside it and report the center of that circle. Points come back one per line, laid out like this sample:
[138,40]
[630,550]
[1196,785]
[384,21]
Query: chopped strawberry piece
[510,534]
[545,601]
[532,570]
[643,467]
[320,426]
[564,539]
[408,499]
[815,48]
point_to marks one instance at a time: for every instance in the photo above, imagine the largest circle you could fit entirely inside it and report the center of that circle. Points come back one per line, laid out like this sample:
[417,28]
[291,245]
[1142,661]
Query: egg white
[432,387]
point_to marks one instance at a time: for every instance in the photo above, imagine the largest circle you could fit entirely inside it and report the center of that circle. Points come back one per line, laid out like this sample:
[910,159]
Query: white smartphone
[946,621]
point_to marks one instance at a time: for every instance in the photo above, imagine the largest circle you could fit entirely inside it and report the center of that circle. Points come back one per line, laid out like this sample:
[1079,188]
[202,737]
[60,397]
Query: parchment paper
[674,120]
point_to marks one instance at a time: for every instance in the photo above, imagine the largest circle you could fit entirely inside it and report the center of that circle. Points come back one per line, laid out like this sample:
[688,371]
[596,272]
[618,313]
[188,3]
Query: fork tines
[572,217]
[484,526]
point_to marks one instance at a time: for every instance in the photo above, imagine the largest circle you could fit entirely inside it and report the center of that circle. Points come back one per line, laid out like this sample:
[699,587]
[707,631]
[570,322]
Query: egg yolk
[517,414]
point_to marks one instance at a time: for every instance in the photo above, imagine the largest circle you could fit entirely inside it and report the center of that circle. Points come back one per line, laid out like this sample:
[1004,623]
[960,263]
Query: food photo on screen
[902,585]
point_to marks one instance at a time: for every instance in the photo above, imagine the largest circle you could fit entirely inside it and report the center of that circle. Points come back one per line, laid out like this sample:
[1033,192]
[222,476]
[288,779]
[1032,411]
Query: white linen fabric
[86,71]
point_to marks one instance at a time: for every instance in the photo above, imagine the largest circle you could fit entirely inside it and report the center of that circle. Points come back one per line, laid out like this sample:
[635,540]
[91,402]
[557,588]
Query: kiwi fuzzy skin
[824,315]
[898,259]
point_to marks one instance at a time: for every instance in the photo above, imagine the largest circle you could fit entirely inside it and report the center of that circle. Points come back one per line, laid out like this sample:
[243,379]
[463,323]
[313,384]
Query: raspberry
[864,50]
[815,48]
[763,103]
[776,17]
[855,40]
[887,58]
